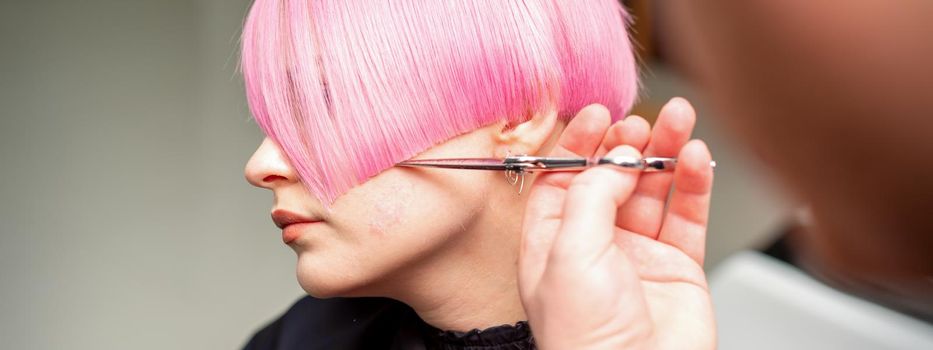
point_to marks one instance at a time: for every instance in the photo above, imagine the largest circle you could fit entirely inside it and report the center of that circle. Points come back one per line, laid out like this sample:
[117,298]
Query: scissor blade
[458,163]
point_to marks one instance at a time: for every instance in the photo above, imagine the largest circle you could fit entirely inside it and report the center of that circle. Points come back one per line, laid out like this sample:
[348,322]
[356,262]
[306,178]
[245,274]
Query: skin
[603,265]
[443,241]
[449,242]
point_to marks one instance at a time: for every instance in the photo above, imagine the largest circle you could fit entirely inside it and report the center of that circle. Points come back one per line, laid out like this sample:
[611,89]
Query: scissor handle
[547,164]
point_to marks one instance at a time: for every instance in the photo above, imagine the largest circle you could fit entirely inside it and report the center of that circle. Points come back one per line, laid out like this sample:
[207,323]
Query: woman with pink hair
[399,257]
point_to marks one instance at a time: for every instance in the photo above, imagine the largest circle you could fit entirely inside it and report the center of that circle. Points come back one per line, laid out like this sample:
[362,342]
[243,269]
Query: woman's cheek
[389,208]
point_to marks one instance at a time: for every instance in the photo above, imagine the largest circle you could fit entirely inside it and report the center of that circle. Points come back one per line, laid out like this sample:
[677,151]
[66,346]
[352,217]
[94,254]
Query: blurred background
[125,220]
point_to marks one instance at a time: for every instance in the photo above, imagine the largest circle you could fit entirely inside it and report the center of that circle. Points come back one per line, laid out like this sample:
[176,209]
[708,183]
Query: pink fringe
[349,88]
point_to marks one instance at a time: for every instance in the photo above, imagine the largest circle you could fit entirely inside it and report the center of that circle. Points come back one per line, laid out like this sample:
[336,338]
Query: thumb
[592,200]
[542,216]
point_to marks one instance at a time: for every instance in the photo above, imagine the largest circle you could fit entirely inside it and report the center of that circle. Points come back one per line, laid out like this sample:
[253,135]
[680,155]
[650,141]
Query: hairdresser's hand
[603,265]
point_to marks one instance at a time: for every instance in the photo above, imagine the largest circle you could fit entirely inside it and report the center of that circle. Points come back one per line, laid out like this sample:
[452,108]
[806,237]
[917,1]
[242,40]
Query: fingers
[582,135]
[544,209]
[581,138]
[588,226]
[686,220]
[542,220]
[633,131]
[644,212]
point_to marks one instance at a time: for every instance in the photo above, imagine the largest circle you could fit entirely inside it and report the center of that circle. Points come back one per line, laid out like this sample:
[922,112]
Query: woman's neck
[473,284]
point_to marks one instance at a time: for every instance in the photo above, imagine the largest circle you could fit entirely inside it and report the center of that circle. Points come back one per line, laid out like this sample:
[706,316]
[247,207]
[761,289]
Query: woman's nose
[269,167]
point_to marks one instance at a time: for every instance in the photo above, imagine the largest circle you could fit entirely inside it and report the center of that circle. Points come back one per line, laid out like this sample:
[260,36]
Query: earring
[514,177]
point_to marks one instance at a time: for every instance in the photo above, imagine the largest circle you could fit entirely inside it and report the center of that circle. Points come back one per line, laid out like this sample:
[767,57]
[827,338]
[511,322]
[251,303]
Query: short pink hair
[349,88]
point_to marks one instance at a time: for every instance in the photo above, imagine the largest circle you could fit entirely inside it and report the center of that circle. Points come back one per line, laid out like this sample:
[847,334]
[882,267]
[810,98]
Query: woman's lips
[292,232]
[292,224]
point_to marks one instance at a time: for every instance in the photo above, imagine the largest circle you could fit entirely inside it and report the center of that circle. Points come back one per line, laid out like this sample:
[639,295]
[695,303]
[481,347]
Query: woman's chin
[319,290]
[321,282]
[320,286]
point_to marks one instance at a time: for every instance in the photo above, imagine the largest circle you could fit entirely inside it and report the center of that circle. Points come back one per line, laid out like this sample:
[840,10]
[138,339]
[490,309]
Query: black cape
[375,323]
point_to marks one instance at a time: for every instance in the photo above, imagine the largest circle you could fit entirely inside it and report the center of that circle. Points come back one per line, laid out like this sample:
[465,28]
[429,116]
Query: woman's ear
[527,137]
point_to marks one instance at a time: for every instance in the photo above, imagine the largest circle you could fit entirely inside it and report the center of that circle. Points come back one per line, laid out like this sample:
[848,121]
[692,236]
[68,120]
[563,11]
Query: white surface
[762,303]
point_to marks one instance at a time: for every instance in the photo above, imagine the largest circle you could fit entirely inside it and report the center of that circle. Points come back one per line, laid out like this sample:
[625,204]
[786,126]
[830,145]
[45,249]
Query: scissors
[517,166]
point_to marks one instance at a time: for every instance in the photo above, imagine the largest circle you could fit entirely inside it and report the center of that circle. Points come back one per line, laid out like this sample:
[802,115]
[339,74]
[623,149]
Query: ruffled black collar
[517,336]
[375,323]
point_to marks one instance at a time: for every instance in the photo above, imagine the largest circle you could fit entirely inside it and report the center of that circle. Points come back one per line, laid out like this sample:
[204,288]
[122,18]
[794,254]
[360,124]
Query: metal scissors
[517,166]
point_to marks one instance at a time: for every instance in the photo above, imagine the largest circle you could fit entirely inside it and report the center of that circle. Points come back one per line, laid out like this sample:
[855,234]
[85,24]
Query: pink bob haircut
[349,88]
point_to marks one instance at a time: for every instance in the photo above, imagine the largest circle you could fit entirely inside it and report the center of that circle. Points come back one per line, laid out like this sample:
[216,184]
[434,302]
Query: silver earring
[515,177]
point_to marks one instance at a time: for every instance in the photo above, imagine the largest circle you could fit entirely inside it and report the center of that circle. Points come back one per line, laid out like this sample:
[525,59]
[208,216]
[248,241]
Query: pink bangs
[349,88]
